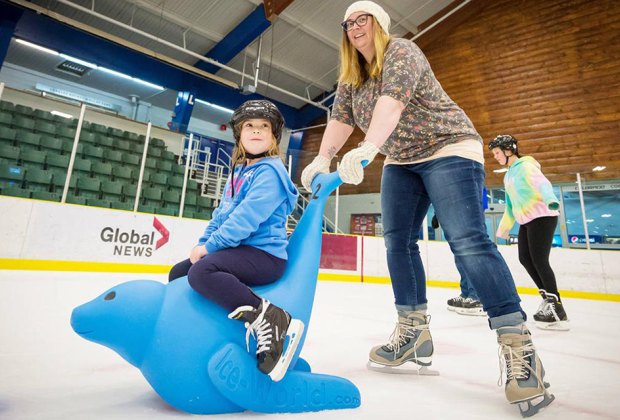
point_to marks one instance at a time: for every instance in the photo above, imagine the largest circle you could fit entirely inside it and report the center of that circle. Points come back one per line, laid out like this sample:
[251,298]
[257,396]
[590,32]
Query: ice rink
[49,372]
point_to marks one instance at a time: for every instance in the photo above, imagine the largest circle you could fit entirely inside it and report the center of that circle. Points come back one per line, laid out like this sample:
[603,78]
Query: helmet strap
[255,156]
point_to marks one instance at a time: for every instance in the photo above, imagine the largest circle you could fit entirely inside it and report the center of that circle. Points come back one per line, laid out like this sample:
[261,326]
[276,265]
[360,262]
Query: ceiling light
[500,171]
[78,61]
[36,47]
[221,108]
[606,215]
[599,168]
[114,72]
[589,220]
[145,83]
[61,114]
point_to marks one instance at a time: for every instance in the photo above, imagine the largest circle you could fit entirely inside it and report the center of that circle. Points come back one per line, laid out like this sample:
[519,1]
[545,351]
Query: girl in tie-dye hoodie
[530,201]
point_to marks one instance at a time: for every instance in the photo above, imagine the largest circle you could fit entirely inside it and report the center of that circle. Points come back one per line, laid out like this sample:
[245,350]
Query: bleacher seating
[35,151]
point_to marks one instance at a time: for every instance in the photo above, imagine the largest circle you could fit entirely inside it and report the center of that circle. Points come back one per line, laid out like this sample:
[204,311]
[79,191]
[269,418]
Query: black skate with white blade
[271,326]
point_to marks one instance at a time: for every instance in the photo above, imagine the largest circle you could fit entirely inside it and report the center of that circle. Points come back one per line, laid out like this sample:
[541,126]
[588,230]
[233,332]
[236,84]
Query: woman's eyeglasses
[361,20]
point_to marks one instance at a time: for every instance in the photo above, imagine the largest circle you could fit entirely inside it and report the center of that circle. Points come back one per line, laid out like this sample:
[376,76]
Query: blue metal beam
[232,44]
[50,33]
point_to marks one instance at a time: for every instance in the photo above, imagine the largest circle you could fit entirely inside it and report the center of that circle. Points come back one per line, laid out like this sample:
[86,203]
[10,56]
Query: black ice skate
[271,326]
[470,306]
[543,305]
[455,302]
[553,317]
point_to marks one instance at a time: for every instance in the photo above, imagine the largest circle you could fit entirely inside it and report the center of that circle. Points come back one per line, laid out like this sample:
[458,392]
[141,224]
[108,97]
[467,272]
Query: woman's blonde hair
[354,70]
[239,153]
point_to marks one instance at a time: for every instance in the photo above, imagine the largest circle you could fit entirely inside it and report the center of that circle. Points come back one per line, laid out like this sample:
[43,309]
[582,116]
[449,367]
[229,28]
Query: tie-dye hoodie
[529,195]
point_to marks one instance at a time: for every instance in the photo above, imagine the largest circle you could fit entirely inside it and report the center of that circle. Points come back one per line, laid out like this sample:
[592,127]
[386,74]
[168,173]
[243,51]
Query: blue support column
[182,112]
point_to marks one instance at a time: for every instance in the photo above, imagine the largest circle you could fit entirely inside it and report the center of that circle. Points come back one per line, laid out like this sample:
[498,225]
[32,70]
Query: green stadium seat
[7,136]
[92,152]
[101,168]
[154,152]
[122,205]
[115,132]
[6,118]
[178,170]
[82,166]
[129,192]
[7,106]
[11,176]
[32,158]
[38,180]
[51,143]
[87,137]
[58,180]
[122,145]
[188,214]
[203,202]
[151,196]
[66,132]
[22,122]
[128,135]
[158,179]
[130,159]
[123,173]
[97,202]
[55,160]
[168,211]
[16,192]
[112,155]
[191,198]
[158,143]
[72,199]
[9,153]
[98,128]
[24,110]
[88,187]
[163,165]
[46,195]
[112,190]
[27,139]
[151,163]
[43,115]
[171,197]
[67,147]
[143,208]
[104,141]
[169,156]
[175,182]
[136,148]
[46,127]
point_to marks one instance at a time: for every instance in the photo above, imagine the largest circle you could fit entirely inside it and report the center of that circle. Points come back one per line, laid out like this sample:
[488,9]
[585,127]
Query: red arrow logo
[165,235]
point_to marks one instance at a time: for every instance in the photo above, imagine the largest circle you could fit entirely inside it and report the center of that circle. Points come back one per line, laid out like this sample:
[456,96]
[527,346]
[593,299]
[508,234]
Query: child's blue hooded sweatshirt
[256,215]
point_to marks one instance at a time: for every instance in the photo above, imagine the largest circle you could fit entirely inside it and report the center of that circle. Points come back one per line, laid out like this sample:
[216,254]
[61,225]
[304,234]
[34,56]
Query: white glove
[350,169]
[320,164]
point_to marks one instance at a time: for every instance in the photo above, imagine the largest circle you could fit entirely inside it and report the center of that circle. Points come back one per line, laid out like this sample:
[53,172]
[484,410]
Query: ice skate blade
[470,312]
[409,368]
[294,332]
[554,326]
[451,308]
[528,408]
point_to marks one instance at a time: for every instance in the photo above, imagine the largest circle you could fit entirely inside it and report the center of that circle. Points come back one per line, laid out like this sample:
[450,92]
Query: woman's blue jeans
[454,186]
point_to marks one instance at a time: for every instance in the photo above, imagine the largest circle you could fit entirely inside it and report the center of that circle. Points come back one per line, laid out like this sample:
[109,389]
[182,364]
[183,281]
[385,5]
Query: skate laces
[517,367]
[542,308]
[261,331]
[550,310]
[401,335]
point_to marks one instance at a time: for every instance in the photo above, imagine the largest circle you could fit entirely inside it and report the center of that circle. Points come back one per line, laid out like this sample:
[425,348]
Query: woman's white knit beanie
[374,9]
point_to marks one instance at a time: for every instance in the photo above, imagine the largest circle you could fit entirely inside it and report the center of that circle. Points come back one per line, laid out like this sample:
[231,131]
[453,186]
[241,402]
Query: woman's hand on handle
[351,170]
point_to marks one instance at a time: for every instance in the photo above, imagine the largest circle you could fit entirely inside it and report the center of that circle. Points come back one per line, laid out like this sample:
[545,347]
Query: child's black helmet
[504,142]
[258,109]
